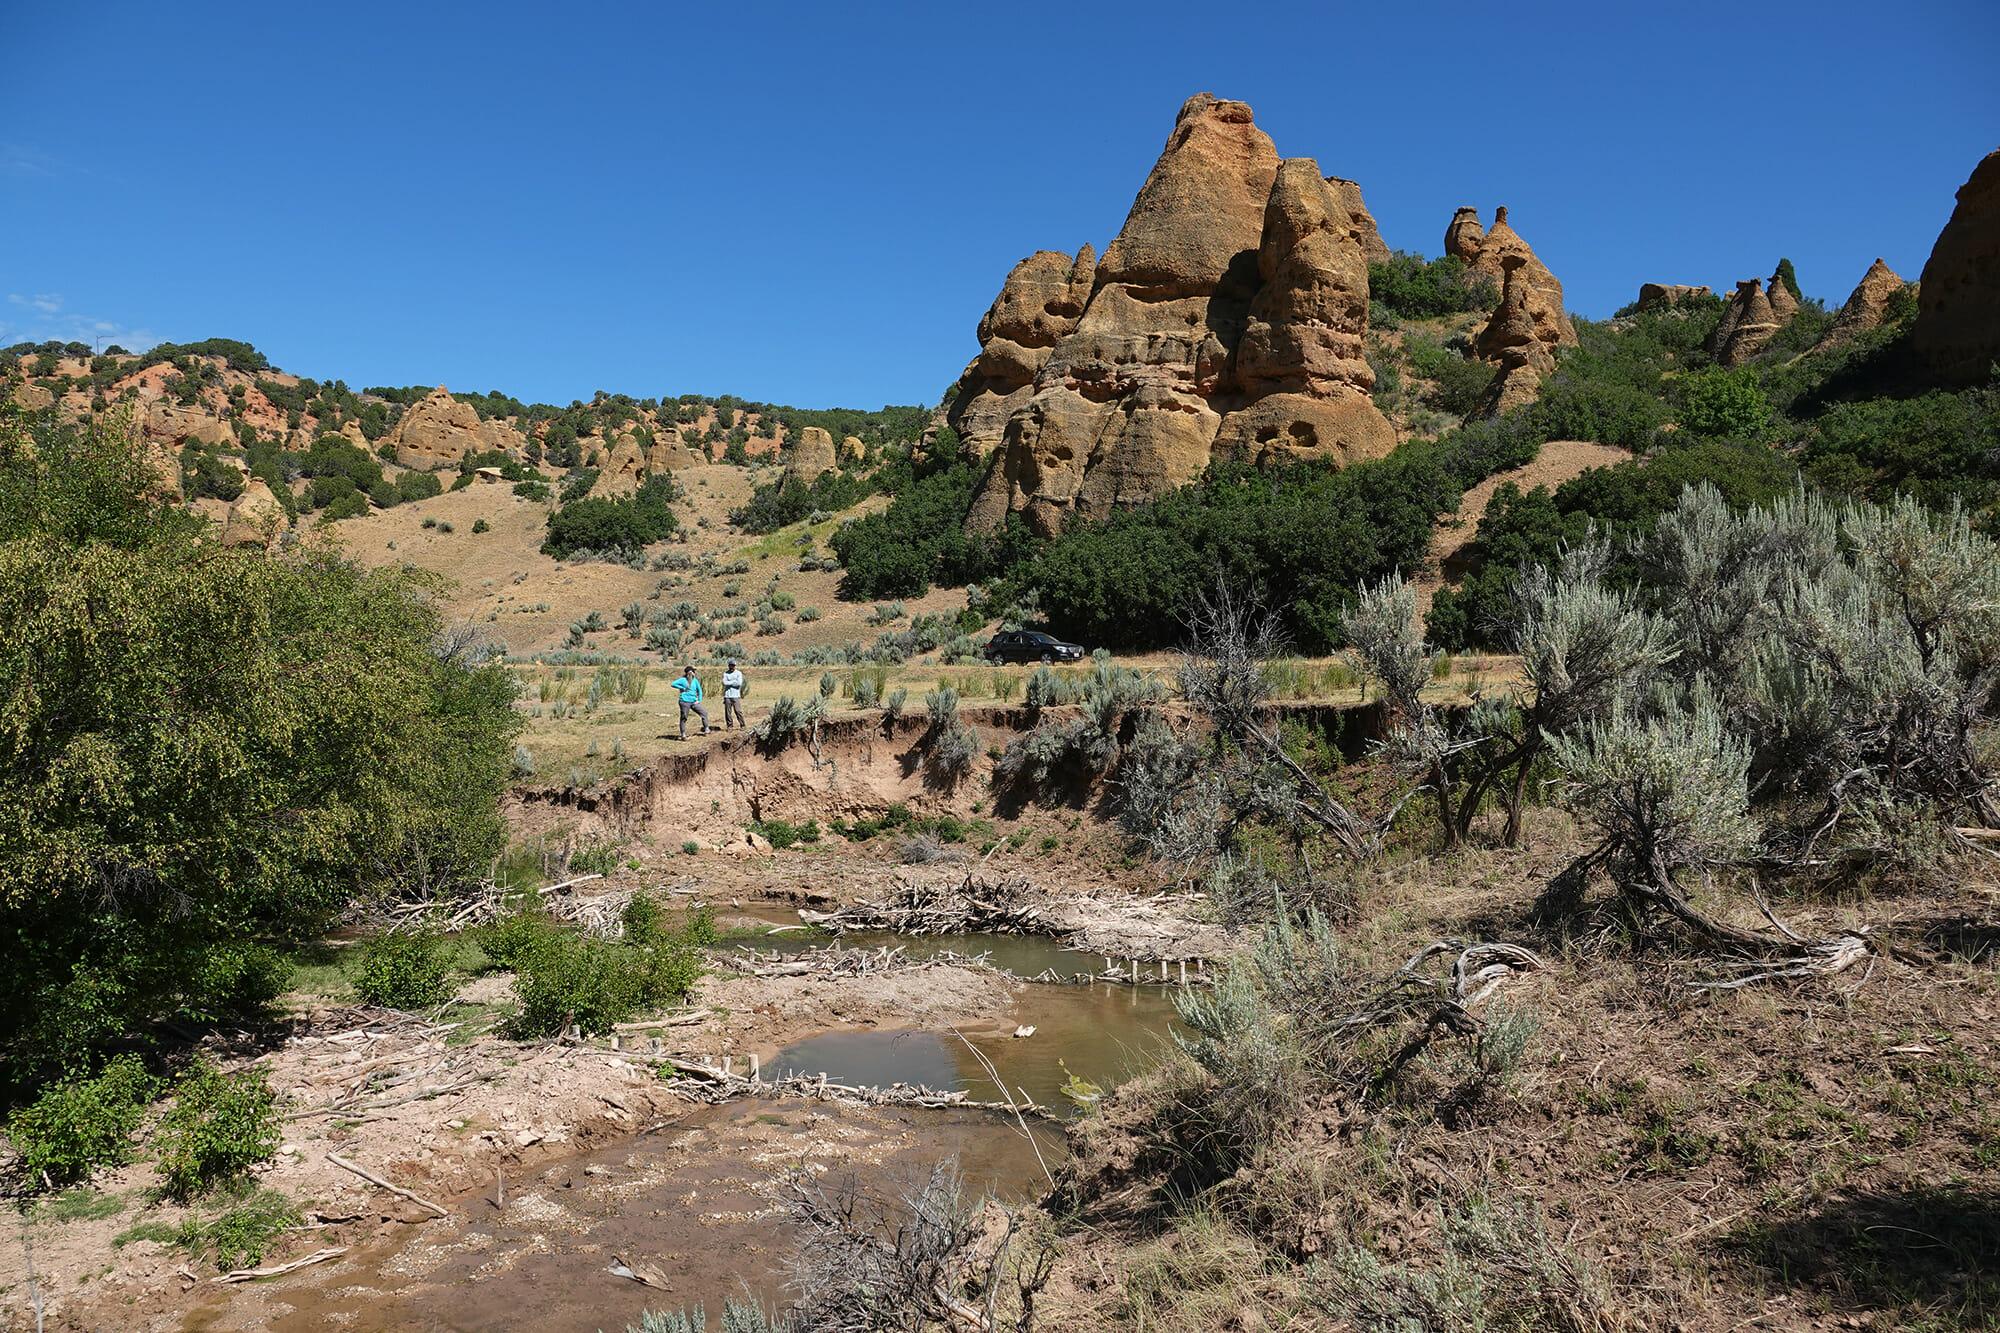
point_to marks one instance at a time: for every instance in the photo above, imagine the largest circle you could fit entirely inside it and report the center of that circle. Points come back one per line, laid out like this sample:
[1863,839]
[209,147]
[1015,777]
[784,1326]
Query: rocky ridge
[1226,318]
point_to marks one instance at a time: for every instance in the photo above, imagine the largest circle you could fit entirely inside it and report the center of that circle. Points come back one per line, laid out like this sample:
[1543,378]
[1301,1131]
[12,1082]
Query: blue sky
[814,204]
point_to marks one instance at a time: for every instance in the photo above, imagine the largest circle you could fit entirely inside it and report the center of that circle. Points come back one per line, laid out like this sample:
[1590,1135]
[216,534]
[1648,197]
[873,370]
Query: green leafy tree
[204,751]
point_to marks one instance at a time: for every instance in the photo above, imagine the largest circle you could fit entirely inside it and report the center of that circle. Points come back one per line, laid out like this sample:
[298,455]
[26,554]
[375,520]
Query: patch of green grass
[156,1231]
[80,1205]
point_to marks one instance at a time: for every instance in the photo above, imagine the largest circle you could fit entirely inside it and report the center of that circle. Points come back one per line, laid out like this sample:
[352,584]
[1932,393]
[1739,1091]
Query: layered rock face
[440,430]
[1226,316]
[1865,307]
[1957,332]
[1653,295]
[1748,323]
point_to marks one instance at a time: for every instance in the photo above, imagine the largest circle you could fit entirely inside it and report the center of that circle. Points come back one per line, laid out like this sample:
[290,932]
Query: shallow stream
[693,1203]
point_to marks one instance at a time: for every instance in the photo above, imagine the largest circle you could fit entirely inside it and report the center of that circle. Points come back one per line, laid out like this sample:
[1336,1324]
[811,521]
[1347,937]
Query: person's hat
[732,666]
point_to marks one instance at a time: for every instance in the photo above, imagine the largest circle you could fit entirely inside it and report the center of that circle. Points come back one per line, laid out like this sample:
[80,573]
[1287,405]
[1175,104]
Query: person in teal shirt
[689,684]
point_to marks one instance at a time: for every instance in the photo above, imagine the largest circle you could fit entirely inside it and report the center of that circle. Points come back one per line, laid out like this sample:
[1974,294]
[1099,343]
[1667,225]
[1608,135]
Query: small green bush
[565,977]
[76,1127]
[405,970]
[783,601]
[480,525]
[691,848]
[220,1126]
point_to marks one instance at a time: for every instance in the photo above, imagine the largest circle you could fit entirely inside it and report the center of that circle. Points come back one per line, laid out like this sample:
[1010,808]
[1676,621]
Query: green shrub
[1414,287]
[75,1127]
[533,489]
[415,485]
[568,978]
[480,525]
[405,970]
[260,737]
[620,525]
[220,1126]
[690,848]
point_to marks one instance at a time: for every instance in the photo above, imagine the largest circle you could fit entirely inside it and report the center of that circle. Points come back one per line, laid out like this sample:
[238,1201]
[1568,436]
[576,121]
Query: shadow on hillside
[1925,1249]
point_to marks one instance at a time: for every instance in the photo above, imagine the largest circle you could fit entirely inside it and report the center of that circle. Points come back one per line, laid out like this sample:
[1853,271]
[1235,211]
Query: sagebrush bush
[407,969]
[220,1126]
[75,1127]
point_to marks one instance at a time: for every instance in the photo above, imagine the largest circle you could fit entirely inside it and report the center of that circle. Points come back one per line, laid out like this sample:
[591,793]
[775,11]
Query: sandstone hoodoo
[1748,323]
[1227,315]
[1957,333]
[1529,323]
[1867,305]
[440,429]
[1465,235]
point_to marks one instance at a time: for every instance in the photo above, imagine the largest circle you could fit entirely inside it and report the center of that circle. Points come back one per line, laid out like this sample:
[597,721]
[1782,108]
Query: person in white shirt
[732,696]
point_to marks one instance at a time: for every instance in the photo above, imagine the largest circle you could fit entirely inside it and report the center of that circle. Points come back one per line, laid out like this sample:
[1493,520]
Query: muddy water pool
[1101,1033]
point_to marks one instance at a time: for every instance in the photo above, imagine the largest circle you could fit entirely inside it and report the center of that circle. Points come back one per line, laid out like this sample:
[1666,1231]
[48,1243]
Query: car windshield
[1040,638]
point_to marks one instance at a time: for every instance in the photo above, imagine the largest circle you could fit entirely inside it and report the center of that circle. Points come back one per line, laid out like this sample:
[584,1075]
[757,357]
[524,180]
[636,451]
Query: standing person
[732,697]
[689,684]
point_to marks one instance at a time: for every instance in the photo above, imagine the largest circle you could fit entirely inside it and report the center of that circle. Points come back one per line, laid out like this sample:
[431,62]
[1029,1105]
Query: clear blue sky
[813,204]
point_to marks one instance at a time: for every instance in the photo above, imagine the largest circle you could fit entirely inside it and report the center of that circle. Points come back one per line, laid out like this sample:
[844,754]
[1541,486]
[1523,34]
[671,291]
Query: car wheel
[1048,658]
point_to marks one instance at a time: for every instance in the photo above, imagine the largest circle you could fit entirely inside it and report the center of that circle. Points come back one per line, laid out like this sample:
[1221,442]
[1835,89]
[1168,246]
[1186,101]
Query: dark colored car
[1027,645]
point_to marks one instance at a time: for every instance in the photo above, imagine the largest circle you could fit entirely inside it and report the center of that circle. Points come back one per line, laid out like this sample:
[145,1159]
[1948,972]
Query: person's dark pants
[688,707]
[731,707]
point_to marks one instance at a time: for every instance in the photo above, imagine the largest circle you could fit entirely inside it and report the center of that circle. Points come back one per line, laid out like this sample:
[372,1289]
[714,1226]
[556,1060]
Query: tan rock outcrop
[812,455]
[1542,295]
[1654,295]
[1038,305]
[33,397]
[439,429]
[1957,333]
[172,424]
[1227,315]
[1514,342]
[1373,248]
[1866,305]
[1522,333]
[852,450]
[624,467]
[1748,323]
[255,518]
[1465,235]
[1300,358]
[667,454]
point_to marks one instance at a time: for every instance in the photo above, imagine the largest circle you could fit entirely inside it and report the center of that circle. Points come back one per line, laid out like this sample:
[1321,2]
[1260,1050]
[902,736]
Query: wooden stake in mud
[499,1190]
[755,1065]
[1183,971]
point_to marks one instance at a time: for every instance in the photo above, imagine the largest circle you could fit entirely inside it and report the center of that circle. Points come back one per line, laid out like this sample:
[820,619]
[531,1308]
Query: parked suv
[1027,645]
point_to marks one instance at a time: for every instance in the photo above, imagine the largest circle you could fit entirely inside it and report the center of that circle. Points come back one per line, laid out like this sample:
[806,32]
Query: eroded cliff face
[1957,333]
[1227,316]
